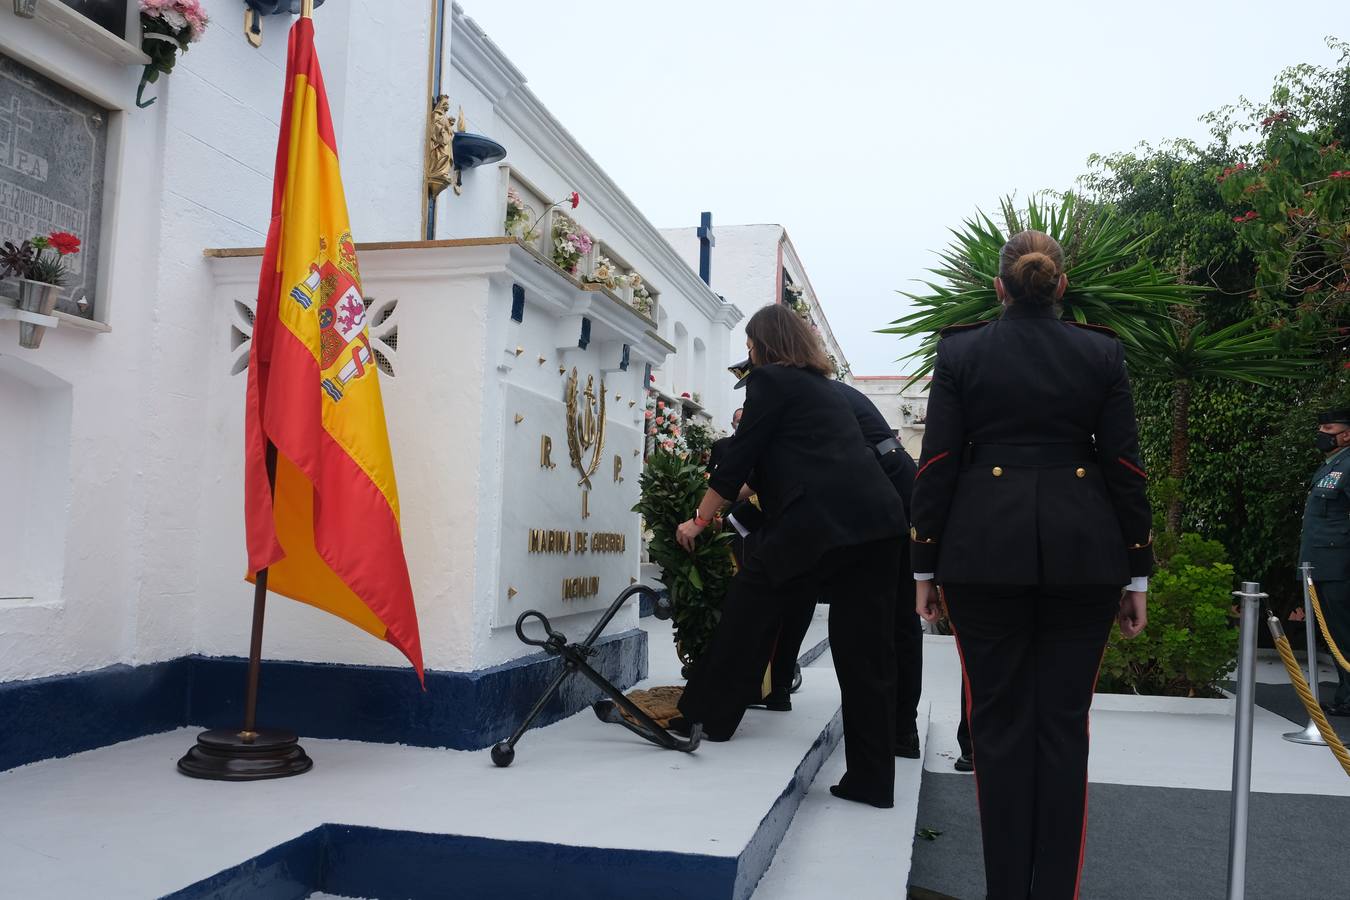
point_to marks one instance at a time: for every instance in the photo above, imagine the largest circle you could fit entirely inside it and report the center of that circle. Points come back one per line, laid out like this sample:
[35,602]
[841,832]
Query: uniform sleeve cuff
[1138,583]
[923,576]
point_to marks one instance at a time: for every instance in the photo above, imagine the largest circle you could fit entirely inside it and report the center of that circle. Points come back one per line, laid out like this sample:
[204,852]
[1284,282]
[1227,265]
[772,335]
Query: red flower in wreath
[64,242]
[575,200]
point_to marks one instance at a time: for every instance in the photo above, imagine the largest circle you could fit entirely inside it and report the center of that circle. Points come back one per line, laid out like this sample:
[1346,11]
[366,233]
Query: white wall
[746,262]
[104,559]
[151,562]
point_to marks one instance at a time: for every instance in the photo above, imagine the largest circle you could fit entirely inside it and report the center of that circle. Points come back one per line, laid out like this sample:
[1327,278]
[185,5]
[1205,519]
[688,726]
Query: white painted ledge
[74,26]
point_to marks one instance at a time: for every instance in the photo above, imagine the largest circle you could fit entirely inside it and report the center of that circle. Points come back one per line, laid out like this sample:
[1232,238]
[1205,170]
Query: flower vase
[35,297]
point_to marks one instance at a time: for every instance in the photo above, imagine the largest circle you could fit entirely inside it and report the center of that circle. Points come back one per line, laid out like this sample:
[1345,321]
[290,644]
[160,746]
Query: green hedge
[1190,644]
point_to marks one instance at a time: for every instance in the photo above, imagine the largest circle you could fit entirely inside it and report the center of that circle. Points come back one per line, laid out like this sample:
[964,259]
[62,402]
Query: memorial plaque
[53,150]
[569,544]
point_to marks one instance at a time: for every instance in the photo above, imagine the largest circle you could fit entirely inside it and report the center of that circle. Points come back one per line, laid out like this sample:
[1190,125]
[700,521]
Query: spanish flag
[327,531]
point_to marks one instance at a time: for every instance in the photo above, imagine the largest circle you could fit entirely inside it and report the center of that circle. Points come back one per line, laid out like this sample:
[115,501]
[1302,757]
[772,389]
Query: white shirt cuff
[1139,583]
[740,529]
[923,576]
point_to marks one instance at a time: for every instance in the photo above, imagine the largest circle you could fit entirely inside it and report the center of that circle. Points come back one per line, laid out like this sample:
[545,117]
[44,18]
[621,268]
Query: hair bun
[1034,276]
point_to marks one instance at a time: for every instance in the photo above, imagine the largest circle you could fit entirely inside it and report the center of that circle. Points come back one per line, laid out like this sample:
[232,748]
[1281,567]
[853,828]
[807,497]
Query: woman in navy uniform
[1029,510]
[833,529]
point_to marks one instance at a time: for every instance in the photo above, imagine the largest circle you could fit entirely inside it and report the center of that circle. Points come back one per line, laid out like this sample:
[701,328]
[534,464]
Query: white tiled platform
[120,822]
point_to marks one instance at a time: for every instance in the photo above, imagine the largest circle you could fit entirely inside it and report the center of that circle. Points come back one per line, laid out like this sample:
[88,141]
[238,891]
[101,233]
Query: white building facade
[753,266]
[123,431]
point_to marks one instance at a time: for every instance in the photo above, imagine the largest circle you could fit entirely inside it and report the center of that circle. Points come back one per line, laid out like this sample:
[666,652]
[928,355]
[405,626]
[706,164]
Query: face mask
[1326,442]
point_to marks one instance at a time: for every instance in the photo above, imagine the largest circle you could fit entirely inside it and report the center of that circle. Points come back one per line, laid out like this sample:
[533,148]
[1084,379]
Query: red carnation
[575,200]
[685,395]
[64,242]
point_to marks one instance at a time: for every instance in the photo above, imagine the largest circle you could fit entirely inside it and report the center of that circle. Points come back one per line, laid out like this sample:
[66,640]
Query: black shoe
[907,747]
[1336,709]
[844,794]
[681,726]
[966,763]
[777,701]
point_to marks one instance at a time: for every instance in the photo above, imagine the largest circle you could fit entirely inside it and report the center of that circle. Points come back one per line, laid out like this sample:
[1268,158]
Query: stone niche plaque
[53,150]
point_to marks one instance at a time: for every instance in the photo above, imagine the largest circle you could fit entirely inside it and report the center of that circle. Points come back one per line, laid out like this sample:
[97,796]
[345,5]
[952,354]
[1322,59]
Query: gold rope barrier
[1305,693]
[1326,632]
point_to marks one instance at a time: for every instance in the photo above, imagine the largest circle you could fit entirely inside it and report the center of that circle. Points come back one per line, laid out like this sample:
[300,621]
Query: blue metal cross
[706,242]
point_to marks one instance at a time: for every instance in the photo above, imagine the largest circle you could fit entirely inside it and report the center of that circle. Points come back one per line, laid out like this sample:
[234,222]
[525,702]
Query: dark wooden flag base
[222,754]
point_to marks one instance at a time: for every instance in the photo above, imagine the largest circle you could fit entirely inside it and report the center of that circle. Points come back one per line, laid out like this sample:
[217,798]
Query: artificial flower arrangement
[642,298]
[570,244]
[605,273]
[40,266]
[167,27]
[517,214]
[663,425]
[40,258]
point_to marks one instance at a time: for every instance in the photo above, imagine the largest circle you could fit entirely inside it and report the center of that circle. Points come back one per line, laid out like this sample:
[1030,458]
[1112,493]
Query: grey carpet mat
[1150,843]
[1283,700]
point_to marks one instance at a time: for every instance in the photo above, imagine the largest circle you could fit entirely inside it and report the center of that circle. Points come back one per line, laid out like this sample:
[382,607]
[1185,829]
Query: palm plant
[1190,348]
[1111,283]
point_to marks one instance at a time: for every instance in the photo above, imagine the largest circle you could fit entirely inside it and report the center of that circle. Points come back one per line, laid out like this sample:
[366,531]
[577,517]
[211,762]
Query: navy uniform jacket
[1030,472]
[820,485]
[1326,521]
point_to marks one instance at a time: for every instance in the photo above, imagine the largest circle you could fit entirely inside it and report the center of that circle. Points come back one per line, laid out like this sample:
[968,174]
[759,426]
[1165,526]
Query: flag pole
[250,731]
[306,9]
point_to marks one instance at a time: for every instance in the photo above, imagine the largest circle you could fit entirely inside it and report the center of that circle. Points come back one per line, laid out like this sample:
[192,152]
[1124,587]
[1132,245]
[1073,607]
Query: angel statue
[440,156]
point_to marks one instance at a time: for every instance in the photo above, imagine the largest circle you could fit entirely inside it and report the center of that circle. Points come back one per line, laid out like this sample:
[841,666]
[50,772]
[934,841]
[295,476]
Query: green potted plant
[38,265]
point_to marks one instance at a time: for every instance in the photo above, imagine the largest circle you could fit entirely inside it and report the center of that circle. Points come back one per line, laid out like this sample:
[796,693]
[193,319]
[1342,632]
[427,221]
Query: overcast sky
[867,127]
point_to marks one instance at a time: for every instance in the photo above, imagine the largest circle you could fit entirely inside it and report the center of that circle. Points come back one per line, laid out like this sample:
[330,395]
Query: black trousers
[908,651]
[1335,597]
[859,582]
[1030,657]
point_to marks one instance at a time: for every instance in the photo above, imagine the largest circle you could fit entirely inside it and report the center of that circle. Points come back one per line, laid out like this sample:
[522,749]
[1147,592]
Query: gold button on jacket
[998,471]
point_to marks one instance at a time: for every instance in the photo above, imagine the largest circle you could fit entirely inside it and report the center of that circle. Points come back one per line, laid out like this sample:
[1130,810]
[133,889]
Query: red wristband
[701,523]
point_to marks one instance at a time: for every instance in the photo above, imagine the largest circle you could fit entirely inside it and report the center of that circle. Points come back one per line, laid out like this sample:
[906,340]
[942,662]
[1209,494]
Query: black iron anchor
[574,658]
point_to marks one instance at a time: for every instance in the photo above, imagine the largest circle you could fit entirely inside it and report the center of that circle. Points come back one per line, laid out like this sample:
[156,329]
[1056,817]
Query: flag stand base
[222,754]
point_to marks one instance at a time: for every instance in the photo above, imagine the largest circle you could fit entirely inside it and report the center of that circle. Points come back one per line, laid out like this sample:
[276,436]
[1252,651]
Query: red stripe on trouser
[970,730]
[1082,841]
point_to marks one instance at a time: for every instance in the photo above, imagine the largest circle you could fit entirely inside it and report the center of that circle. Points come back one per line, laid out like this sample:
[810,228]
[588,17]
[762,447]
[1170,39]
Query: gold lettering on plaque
[579,588]
[550,540]
[608,542]
[581,541]
[585,504]
[618,468]
[585,425]
[546,453]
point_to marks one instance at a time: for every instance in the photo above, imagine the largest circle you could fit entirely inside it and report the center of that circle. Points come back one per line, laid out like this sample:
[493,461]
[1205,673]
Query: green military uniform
[1326,544]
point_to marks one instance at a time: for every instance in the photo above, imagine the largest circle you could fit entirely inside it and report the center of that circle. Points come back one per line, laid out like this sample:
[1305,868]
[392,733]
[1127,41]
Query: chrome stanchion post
[1309,735]
[1250,598]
